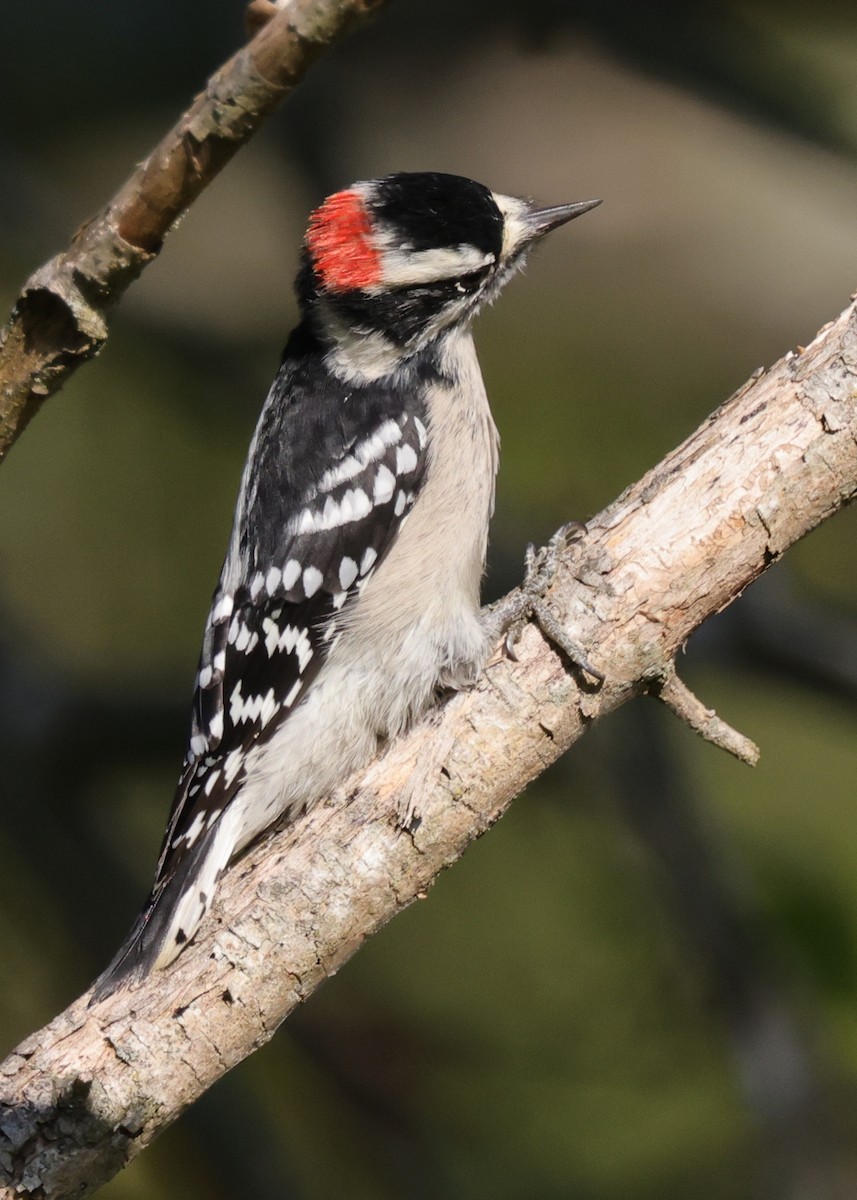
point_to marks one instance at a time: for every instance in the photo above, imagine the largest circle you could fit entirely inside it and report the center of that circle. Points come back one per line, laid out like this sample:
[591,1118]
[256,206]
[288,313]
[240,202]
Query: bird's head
[405,258]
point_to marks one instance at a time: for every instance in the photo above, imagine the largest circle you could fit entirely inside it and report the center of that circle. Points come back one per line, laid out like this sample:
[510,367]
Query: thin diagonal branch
[61,317]
[84,1095]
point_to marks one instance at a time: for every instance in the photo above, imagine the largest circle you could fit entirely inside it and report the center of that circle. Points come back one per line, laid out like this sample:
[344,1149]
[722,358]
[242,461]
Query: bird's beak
[542,220]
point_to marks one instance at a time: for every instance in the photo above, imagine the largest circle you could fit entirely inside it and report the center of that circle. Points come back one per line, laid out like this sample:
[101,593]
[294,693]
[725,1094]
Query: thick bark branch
[61,317]
[88,1092]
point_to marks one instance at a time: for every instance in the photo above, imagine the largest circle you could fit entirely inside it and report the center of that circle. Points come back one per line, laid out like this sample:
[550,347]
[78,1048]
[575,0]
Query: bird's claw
[540,567]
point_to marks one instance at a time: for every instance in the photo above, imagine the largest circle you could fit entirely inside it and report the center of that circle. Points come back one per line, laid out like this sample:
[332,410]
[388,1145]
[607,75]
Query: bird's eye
[465,285]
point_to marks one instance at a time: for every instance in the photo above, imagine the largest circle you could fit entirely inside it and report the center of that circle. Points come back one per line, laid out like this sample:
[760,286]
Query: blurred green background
[643,983]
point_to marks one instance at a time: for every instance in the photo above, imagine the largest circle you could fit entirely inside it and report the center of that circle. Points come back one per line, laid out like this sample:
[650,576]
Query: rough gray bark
[61,317]
[84,1095]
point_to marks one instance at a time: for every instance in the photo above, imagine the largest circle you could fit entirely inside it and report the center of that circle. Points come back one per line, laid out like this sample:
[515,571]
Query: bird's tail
[171,916]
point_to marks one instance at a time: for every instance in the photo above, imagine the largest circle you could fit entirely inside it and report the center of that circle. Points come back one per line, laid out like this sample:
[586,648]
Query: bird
[349,597]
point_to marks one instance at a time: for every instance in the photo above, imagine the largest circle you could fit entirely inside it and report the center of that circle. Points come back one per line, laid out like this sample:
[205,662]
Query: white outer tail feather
[196,900]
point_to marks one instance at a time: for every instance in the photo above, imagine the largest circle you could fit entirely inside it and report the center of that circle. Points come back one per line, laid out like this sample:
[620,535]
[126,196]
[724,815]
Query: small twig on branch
[87,1093]
[670,690]
[61,317]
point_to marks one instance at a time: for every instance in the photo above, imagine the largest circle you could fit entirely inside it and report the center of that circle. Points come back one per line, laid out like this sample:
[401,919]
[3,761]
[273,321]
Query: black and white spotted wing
[305,539]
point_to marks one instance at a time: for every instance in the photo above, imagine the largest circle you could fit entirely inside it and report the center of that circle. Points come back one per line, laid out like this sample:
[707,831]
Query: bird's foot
[511,614]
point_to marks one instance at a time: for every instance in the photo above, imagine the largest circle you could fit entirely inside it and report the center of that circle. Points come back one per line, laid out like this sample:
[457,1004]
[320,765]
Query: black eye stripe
[473,279]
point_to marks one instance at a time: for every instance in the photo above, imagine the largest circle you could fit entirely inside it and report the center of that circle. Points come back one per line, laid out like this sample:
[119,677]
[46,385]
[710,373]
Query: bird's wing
[268,635]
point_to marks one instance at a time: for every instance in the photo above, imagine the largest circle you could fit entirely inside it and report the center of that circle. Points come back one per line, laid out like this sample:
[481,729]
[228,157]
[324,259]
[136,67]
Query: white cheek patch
[402,267]
[516,227]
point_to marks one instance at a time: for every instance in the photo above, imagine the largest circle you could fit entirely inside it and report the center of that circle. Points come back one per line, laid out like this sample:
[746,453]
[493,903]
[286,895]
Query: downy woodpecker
[350,591]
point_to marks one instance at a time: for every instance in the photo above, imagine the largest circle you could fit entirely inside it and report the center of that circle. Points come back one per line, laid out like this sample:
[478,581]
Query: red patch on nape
[340,243]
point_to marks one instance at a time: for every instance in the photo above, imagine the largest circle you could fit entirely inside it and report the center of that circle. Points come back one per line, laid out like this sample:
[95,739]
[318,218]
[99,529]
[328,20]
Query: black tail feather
[126,965]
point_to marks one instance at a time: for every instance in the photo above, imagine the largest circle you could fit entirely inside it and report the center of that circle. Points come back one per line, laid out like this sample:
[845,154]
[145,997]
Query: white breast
[428,586]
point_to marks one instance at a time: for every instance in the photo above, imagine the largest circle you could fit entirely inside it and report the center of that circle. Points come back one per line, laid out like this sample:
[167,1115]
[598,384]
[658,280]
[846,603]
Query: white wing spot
[406,460]
[363,454]
[342,472]
[204,677]
[291,574]
[339,599]
[231,766]
[359,504]
[304,650]
[293,691]
[368,560]
[347,572]
[210,784]
[422,433]
[198,744]
[272,635]
[236,704]
[269,707]
[215,725]
[291,639]
[254,708]
[272,580]
[257,585]
[385,485]
[331,516]
[399,506]
[390,433]
[353,505]
[312,581]
[192,832]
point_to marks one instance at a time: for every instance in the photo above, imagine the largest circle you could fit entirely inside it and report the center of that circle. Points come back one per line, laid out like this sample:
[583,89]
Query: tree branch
[84,1095]
[677,696]
[61,317]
